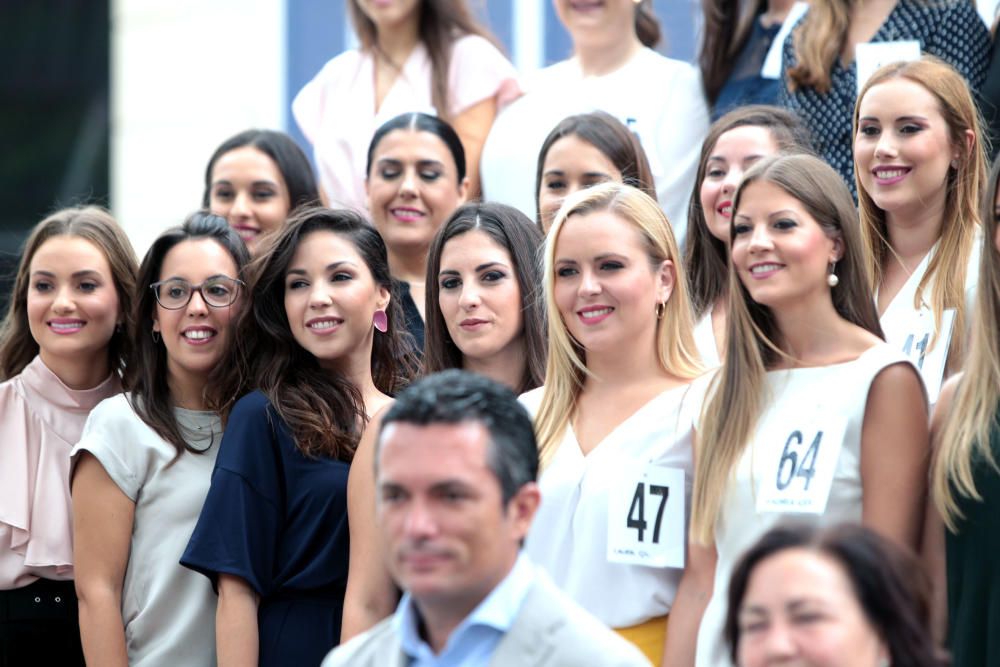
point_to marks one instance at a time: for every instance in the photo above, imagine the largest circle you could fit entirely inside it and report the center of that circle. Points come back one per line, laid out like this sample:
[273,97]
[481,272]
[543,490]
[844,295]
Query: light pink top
[40,421]
[336,110]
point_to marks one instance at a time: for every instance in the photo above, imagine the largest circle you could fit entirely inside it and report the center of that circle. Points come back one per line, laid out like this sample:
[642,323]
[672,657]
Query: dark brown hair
[608,135]
[891,587]
[322,409]
[647,26]
[726,32]
[148,373]
[513,231]
[94,224]
[441,23]
[706,257]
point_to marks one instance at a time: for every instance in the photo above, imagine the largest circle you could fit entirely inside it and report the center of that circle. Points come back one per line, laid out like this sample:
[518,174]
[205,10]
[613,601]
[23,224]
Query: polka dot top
[948,29]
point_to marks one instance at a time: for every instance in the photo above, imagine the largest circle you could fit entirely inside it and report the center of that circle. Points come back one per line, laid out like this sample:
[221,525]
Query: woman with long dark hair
[255,179]
[142,468]
[320,347]
[430,56]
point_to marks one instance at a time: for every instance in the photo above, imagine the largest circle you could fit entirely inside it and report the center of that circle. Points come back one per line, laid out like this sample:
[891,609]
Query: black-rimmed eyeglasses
[217,292]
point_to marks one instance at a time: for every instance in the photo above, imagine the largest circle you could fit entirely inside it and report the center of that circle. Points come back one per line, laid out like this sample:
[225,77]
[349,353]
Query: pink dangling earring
[381,320]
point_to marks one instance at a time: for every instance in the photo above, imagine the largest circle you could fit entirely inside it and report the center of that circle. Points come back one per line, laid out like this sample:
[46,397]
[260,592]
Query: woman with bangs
[734,143]
[962,536]
[614,420]
[321,348]
[812,416]
[920,171]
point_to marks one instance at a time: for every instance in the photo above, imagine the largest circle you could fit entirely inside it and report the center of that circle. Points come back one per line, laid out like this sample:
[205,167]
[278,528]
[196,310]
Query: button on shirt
[474,641]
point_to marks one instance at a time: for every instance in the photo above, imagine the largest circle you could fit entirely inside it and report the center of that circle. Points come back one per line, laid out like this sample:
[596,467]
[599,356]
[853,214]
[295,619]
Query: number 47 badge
[646,517]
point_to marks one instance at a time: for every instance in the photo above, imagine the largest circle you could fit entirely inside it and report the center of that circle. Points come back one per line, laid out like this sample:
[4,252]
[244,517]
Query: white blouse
[658,98]
[704,340]
[570,534]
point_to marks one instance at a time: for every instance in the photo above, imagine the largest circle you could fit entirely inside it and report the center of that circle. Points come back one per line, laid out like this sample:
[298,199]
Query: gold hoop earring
[660,309]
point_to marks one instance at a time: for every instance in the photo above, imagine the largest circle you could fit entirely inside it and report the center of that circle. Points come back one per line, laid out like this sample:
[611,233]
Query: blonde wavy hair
[738,394]
[947,268]
[566,368]
[965,437]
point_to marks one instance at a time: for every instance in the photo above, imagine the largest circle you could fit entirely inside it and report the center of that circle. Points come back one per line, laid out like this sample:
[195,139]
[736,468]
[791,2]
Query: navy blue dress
[278,520]
[745,85]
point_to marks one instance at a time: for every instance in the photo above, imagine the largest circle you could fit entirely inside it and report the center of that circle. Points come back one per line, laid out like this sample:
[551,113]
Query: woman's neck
[411,267]
[356,368]
[626,364]
[598,57]
[398,41]
[187,390]
[912,236]
[811,331]
[78,373]
[508,366]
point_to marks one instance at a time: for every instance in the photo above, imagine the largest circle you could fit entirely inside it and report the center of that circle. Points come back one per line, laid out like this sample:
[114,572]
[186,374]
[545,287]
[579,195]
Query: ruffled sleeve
[40,421]
[240,524]
[478,72]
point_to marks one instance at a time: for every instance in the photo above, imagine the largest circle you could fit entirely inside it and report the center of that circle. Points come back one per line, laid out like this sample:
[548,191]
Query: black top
[745,85]
[278,520]
[973,571]
[414,323]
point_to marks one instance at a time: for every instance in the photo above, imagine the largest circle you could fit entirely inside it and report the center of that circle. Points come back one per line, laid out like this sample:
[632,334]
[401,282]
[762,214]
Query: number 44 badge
[646,517]
[798,464]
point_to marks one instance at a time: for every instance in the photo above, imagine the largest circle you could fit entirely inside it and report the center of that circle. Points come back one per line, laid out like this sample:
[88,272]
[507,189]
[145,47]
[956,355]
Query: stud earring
[380,320]
[831,278]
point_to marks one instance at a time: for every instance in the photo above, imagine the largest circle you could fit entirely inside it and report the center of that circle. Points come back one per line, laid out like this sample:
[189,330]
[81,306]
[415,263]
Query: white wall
[186,74]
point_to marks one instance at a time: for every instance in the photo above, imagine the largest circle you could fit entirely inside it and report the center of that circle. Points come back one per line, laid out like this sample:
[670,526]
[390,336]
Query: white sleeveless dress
[803,464]
[569,536]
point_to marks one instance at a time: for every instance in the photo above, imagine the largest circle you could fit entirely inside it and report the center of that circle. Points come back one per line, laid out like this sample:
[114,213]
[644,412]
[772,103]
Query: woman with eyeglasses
[143,467]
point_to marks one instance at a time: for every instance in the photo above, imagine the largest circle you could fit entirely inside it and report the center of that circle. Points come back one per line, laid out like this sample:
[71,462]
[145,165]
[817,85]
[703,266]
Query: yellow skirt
[649,637]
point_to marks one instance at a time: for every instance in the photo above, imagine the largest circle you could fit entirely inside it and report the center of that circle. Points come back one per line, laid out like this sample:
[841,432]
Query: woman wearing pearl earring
[812,417]
[919,168]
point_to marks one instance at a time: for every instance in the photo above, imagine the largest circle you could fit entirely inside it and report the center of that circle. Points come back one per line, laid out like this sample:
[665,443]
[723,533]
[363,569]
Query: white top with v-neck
[569,535]
[901,308]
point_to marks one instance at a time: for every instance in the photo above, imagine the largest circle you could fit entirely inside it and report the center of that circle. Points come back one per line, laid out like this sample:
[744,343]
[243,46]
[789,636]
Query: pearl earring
[831,278]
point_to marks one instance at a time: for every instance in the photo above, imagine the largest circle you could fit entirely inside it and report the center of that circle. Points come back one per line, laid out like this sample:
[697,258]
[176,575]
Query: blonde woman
[920,169]
[812,416]
[614,417]
[965,483]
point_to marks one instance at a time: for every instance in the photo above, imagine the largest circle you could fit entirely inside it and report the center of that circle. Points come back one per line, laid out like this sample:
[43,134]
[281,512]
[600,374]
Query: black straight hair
[420,122]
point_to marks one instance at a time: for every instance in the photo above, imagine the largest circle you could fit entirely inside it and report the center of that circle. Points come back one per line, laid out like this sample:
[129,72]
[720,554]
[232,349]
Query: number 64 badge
[646,517]
[797,465]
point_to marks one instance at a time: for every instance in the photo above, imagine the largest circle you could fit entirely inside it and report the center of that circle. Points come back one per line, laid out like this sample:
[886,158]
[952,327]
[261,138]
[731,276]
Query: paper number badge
[646,517]
[801,460]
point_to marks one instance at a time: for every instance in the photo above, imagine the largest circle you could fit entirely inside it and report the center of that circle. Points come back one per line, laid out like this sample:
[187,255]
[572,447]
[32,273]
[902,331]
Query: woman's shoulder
[532,400]
[345,62]
[476,46]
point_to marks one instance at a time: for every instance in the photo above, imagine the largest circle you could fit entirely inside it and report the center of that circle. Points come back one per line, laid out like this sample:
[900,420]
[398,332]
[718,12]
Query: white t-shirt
[570,534]
[660,99]
[168,610]
[336,110]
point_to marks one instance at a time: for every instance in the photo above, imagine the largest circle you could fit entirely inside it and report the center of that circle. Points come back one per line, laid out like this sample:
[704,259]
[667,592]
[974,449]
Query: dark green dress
[973,570]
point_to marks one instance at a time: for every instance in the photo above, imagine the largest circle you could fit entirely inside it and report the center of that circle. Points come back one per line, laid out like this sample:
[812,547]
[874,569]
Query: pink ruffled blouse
[40,421]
